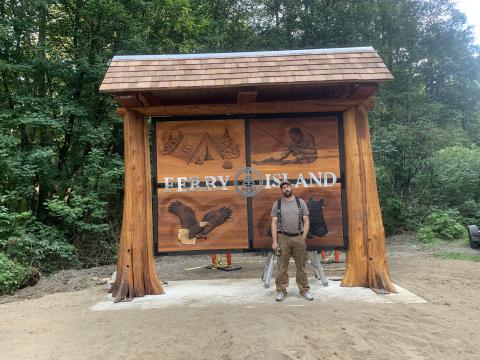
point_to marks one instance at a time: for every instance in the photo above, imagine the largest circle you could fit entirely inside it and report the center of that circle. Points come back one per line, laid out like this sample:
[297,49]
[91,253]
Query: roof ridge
[244,54]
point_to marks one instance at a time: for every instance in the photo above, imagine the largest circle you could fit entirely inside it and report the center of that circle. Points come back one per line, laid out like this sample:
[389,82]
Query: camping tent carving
[198,148]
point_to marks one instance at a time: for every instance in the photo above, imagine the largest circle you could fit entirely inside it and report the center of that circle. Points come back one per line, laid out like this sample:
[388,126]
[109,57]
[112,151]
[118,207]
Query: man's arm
[274,233]
[306,226]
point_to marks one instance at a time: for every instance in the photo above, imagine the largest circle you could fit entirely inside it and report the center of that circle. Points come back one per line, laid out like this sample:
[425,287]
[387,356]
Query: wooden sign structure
[196,163]
[302,113]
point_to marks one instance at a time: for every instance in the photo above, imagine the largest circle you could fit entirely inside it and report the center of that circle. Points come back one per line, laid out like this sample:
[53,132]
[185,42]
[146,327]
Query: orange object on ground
[229,259]
[337,256]
[214,261]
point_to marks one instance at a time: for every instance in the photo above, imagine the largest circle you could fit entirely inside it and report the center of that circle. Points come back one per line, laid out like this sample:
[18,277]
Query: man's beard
[287,193]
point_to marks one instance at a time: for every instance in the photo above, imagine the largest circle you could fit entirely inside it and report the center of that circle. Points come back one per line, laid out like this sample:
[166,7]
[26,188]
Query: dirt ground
[53,320]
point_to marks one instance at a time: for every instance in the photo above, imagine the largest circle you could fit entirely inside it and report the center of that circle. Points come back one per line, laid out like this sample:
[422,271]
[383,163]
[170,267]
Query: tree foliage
[61,142]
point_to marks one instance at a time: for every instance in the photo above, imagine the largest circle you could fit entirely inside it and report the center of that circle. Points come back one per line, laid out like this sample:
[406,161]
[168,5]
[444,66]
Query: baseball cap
[285,182]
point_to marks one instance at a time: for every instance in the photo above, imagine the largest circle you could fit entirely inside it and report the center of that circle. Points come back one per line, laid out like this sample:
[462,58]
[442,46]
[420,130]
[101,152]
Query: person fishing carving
[301,147]
[290,226]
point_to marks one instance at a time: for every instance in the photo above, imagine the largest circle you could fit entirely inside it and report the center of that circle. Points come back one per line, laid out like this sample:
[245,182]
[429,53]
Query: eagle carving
[191,229]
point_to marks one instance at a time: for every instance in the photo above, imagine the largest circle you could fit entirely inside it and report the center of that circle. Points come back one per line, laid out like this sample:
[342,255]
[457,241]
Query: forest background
[61,143]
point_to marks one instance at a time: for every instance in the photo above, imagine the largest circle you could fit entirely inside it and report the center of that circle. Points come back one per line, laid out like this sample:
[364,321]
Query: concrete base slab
[201,293]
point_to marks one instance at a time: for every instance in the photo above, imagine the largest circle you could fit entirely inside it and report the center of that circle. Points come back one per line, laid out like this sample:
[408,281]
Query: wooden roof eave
[331,105]
[340,100]
[277,84]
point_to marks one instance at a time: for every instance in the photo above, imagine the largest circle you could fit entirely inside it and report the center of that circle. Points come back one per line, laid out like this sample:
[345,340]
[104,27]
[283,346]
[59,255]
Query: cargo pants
[292,246]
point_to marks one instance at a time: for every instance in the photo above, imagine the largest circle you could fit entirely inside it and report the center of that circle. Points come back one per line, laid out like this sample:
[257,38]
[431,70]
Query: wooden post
[136,272]
[366,256]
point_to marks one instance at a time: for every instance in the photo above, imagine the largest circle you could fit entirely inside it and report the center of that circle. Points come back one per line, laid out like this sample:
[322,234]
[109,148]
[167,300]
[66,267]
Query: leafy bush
[85,218]
[40,246]
[397,218]
[426,235]
[12,274]
[442,225]
[34,244]
[456,176]
[470,211]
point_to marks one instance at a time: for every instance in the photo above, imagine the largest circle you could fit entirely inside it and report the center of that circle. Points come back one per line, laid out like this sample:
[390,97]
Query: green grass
[457,256]
[438,242]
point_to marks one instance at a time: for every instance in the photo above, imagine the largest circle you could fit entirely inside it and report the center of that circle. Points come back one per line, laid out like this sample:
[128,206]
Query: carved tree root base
[136,272]
[380,283]
[123,292]
[366,257]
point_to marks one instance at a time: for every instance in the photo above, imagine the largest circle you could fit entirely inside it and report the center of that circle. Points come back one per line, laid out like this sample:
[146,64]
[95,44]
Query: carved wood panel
[198,207]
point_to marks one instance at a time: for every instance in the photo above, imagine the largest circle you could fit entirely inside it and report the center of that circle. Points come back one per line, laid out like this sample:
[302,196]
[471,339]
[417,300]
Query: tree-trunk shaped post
[136,272]
[366,257]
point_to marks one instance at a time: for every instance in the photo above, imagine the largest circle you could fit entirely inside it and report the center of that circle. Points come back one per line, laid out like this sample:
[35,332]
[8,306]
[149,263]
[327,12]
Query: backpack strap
[300,214]
[279,214]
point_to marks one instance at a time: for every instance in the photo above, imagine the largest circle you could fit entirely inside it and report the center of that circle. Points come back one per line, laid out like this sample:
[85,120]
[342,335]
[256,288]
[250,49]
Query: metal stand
[318,267]
[267,272]
[314,258]
[216,263]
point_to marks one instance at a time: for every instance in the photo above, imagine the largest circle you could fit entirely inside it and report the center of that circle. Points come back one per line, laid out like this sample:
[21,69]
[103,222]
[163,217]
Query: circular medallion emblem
[248,182]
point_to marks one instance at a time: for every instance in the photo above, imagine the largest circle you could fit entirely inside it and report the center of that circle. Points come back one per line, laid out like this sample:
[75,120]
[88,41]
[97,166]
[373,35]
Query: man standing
[290,225]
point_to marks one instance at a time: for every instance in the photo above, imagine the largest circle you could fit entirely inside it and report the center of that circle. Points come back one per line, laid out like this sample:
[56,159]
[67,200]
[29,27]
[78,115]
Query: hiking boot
[280,297]
[308,296]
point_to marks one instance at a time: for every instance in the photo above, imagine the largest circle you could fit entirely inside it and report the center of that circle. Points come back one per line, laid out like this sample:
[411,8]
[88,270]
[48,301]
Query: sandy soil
[61,326]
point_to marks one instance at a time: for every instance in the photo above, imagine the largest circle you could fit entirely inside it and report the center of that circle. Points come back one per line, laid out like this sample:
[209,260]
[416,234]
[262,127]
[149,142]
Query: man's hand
[274,246]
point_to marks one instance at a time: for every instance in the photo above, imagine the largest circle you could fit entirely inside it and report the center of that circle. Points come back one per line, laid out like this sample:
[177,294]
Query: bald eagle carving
[191,229]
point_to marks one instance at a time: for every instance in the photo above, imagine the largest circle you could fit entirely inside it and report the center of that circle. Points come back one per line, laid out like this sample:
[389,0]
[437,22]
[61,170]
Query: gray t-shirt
[289,212]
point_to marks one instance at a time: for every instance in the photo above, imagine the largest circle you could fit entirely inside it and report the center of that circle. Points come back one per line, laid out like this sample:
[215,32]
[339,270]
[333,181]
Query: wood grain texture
[272,138]
[366,257]
[150,74]
[233,234]
[156,70]
[136,273]
[201,139]
[269,107]
[332,211]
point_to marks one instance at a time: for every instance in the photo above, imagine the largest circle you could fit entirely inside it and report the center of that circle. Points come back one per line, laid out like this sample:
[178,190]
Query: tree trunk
[366,256]
[136,273]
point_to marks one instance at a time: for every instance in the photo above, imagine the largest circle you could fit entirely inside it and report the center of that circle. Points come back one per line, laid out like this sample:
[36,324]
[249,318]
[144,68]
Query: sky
[471,8]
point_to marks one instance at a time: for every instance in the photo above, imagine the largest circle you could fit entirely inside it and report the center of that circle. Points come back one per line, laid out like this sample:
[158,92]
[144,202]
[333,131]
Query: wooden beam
[363,91]
[128,100]
[342,91]
[366,255]
[144,100]
[121,111]
[250,108]
[148,99]
[370,103]
[136,272]
[246,97]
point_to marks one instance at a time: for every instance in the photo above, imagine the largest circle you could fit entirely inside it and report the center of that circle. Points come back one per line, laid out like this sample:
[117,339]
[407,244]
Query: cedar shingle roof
[168,72]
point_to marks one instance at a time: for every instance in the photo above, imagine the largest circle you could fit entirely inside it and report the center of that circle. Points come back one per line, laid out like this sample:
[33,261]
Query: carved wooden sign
[198,166]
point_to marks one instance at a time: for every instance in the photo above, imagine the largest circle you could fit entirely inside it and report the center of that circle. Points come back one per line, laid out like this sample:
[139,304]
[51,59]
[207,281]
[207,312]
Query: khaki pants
[292,246]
